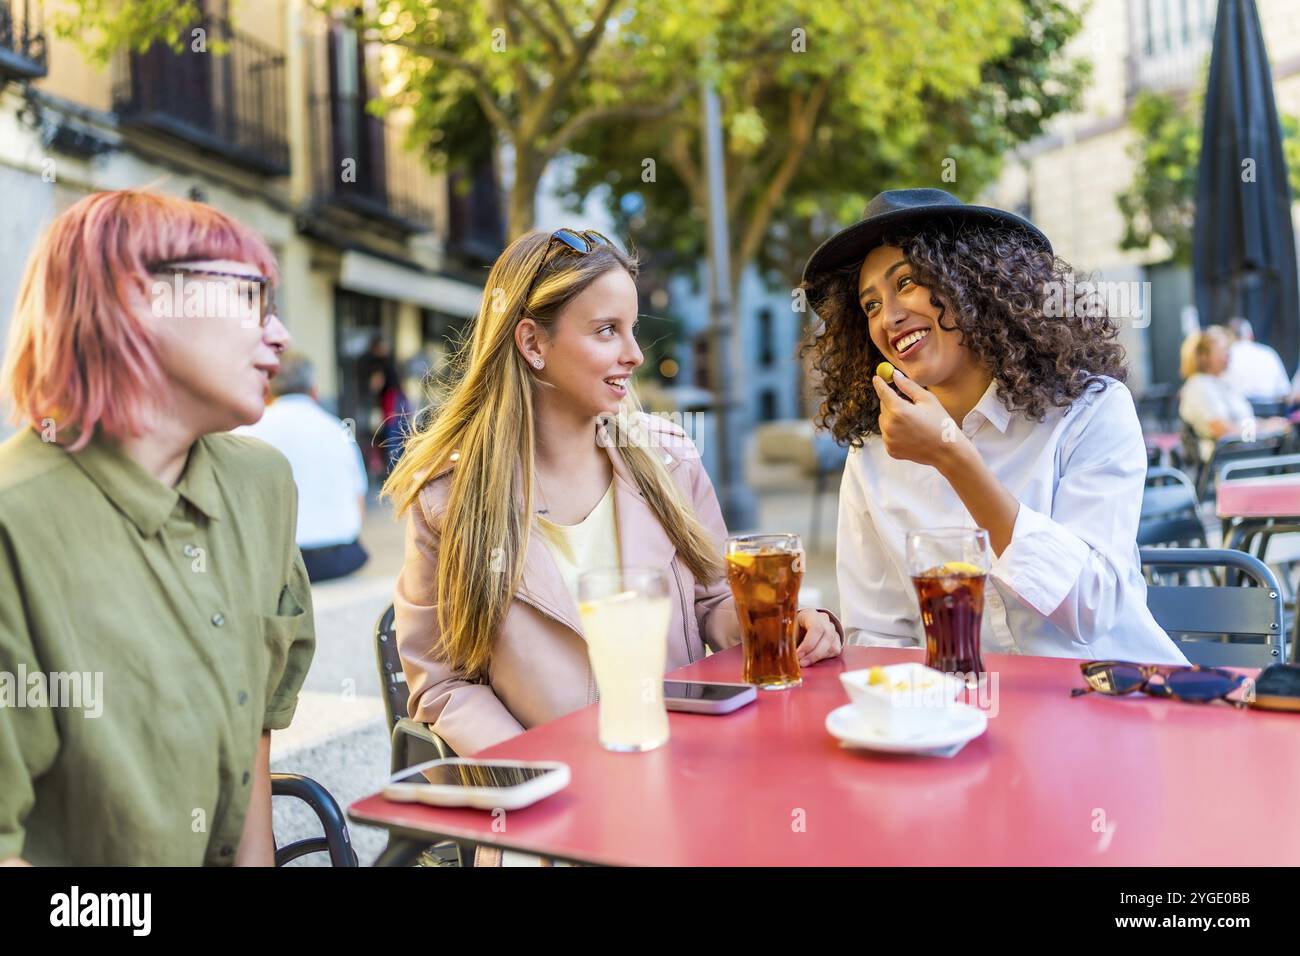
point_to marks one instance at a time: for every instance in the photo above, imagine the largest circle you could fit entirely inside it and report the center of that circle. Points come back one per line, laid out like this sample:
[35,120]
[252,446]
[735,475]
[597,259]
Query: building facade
[264,118]
[1068,180]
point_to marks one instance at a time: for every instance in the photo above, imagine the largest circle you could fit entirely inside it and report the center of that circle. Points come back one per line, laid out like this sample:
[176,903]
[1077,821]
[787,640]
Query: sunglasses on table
[1192,683]
[252,284]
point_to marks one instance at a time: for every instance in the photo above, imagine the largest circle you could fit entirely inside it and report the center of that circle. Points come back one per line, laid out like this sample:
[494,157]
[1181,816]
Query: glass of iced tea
[948,567]
[764,571]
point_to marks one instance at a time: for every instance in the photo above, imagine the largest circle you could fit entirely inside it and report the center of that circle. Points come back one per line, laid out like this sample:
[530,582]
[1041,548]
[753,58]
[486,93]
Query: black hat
[896,207]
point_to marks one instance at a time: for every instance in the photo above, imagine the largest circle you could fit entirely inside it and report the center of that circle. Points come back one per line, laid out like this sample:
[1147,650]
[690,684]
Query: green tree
[824,103]
[1160,202]
[929,93]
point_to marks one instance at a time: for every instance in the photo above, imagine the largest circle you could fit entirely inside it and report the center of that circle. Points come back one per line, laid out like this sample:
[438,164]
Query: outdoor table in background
[1250,506]
[1055,780]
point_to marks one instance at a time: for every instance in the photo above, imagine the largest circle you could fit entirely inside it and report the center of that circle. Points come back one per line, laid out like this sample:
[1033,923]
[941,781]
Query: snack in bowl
[903,700]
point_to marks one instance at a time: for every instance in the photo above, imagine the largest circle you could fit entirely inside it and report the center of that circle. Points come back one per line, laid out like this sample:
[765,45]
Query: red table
[1251,508]
[1275,496]
[1055,780]
[1164,442]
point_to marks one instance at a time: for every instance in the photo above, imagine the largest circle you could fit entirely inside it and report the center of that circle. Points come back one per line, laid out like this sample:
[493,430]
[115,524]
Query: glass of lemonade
[765,571]
[625,616]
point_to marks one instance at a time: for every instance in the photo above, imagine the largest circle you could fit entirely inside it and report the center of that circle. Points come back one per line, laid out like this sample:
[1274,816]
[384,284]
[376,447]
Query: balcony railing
[230,103]
[1169,44]
[22,39]
[361,165]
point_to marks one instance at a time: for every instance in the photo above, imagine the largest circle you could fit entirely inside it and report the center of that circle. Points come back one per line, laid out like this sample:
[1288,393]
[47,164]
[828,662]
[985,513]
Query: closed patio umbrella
[1243,246]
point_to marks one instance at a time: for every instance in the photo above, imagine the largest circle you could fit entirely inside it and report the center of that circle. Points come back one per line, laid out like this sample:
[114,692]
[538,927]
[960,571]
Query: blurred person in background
[1208,402]
[1255,370]
[387,407]
[327,468]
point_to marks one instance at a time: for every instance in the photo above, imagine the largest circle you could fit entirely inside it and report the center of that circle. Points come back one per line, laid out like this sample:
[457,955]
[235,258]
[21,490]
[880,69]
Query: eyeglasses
[581,242]
[1194,683]
[246,283]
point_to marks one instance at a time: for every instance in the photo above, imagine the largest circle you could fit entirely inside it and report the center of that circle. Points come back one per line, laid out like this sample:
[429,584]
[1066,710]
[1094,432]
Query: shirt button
[189,551]
[668,459]
[246,778]
[218,619]
[243,698]
[227,850]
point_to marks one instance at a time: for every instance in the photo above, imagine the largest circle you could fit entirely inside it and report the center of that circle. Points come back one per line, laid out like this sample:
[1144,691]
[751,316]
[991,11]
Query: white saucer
[846,724]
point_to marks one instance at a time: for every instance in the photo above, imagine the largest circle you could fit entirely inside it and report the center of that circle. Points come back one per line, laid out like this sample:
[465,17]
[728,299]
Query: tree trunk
[523,193]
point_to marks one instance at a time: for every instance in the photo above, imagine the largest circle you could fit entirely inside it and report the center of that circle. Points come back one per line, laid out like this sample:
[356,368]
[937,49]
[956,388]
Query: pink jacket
[539,668]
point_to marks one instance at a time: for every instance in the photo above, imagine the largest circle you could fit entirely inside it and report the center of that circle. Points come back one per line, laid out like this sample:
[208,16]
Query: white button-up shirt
[1068,585]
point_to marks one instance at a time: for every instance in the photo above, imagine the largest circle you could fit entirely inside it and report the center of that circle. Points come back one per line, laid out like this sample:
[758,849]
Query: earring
[538,363]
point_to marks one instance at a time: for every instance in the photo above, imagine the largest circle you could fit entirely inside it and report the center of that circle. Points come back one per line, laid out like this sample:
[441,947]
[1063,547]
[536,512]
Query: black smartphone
[1277,688]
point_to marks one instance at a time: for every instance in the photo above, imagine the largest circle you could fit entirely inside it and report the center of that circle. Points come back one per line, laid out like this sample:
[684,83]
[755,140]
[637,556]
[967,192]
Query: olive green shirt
[148,635]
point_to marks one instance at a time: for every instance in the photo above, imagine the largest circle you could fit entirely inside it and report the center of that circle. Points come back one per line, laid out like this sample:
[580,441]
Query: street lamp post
[738,507]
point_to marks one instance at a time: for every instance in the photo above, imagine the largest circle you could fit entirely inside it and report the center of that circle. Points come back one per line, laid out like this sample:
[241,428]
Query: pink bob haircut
[81,352]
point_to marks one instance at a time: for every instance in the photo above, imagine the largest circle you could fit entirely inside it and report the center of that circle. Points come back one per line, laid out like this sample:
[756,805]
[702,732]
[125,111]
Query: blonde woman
[1208,402]
[538,466]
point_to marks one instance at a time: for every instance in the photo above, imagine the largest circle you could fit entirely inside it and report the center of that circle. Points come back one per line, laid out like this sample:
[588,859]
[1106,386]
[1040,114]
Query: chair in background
[412,743]
[1269,409]
[1225,450]
[336,840]
[1157,410]
[1170,513]
[1217,625]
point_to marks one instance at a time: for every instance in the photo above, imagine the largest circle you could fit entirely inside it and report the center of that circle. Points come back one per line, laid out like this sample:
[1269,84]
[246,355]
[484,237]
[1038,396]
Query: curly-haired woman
[1010,415]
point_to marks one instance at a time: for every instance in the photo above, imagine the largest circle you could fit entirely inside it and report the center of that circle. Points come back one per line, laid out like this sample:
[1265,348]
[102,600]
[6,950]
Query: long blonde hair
[486,427]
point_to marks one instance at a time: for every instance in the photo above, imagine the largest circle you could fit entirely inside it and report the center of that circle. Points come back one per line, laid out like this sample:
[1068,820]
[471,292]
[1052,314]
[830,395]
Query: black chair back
[1170,514]
[392,680]
[337,842]
[1247,621]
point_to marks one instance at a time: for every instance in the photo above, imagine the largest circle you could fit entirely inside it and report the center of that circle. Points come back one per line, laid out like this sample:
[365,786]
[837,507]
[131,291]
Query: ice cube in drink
[765,584]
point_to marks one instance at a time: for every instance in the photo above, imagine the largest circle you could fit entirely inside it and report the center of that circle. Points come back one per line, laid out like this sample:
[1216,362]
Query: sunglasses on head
[1192,683]
[581,242]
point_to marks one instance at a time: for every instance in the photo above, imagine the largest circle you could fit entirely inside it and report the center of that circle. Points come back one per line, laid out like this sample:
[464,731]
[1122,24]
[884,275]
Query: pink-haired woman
[155,610]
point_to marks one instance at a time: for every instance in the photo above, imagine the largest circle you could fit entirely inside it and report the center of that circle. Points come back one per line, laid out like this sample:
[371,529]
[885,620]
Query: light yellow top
[587,546]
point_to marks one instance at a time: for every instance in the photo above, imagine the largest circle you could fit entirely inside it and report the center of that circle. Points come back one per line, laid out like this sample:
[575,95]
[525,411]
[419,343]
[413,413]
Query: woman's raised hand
[915,427]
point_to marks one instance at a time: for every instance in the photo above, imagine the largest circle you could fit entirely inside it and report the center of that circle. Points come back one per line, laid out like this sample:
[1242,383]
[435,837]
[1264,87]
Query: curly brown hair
[993,283]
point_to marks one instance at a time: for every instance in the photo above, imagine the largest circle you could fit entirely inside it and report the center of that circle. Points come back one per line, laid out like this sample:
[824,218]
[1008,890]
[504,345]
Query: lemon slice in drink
[961,567]
[885,371]
[742,559]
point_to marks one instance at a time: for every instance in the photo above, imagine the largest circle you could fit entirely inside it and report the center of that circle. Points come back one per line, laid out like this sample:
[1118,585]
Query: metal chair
[1170,514]
[412,742]
[1226,450]
[1218,626]
[336,840]
[1269,409]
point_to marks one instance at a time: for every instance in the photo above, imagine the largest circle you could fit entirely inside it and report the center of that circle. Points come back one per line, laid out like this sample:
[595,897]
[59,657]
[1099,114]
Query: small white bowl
[923,704]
